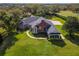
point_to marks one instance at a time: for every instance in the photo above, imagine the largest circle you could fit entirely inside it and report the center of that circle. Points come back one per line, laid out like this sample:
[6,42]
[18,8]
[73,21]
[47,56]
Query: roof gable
[52,29]
[29,19]
[38,21]
[33,21]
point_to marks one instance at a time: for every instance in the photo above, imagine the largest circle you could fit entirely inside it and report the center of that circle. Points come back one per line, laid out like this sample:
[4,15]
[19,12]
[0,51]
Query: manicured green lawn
[26,46]
[59,27]
[67,13]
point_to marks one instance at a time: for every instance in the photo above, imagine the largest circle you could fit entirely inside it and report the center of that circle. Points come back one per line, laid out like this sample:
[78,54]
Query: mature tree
[6,19]
[10,21]
[15,18]
[71,25]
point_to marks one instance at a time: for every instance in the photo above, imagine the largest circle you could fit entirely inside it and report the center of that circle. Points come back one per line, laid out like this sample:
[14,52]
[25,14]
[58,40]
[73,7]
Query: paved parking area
[56,22]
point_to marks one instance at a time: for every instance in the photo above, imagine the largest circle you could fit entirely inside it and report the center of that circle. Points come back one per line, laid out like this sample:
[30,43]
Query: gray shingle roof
[25,21]
[39,21]
[29,20]
[35,20]
[51,29]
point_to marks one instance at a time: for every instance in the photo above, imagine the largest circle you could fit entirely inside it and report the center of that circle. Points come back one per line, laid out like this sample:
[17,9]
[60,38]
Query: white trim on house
[54,36]
[34,30]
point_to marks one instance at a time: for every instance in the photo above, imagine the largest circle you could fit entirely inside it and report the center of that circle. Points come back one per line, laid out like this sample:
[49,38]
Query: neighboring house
[41,25]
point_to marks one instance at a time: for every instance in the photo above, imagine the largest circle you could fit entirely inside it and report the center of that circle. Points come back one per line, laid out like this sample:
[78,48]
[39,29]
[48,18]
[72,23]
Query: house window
[52,36]
[34,30]
[55,36]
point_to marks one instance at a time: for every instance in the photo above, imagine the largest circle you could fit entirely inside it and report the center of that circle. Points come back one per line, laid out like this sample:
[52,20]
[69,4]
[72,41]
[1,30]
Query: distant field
[67,13]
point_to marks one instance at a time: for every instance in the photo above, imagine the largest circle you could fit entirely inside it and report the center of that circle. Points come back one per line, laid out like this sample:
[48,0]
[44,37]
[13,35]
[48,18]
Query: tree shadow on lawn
[58,42]
[7,43]
[74,39]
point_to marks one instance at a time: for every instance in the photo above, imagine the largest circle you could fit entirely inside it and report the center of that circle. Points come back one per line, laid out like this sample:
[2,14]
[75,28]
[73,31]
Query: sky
[39,1]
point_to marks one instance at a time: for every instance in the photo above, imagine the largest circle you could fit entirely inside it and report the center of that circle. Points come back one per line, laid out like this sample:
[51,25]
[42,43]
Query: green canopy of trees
[71,25]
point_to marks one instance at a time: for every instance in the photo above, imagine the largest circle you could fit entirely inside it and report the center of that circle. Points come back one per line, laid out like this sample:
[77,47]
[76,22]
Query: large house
[40,25]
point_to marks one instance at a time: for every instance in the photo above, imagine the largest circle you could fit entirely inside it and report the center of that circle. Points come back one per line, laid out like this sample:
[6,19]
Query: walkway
[62,37]
[27,32]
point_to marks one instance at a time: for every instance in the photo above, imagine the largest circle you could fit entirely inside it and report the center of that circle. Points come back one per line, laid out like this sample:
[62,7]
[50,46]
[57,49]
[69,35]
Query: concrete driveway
[56,22]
